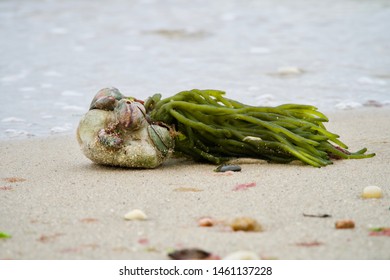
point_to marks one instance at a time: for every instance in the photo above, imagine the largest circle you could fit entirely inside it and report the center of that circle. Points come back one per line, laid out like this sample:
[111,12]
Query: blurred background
[55,55]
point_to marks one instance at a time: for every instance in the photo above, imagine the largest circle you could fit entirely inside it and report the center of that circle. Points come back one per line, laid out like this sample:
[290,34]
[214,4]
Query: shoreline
[62,206]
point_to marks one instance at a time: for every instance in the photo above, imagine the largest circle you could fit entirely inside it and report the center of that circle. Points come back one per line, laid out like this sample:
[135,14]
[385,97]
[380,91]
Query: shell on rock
[130,114]
[106,99]
[161,138]
[110,139]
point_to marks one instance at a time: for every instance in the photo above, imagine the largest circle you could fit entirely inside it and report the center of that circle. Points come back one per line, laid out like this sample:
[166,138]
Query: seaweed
[210,127]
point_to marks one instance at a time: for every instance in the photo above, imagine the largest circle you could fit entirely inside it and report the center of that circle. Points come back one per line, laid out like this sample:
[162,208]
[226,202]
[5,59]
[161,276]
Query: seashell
[245,224]
[130,114]
[135,214]
[161,138]
[106,99]
[242,255]
[206,222]
[372,192]
[345,224]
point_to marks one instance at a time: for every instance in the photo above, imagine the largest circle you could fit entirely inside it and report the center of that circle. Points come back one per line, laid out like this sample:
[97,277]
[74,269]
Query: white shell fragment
[372,192]
[242,255]
[135,214]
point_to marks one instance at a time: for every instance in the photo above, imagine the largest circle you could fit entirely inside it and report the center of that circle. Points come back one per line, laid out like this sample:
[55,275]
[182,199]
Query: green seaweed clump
[210,127]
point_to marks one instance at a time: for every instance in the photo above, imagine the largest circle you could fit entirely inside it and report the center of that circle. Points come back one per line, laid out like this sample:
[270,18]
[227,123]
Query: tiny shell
[161,138]
[345,224]
[206,222]
[372,192]
[245,224]
[135,214]
[242,255]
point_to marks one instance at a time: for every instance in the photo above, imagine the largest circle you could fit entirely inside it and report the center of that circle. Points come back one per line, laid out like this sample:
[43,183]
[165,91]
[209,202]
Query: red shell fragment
[244,186]
[309,244]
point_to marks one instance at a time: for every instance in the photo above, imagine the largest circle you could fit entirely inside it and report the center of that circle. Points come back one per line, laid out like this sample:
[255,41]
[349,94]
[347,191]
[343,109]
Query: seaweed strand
[213,128]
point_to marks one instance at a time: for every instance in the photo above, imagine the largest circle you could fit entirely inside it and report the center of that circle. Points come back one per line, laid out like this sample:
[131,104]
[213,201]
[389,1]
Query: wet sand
[56,204]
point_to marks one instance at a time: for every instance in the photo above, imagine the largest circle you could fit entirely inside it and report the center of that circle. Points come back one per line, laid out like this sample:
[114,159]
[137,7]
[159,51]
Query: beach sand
[56,204]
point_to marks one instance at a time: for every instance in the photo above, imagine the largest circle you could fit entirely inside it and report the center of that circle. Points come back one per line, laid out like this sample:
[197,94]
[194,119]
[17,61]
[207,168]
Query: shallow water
[55,55]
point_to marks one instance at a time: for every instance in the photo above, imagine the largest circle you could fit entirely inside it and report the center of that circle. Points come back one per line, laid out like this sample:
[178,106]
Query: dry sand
[69,208]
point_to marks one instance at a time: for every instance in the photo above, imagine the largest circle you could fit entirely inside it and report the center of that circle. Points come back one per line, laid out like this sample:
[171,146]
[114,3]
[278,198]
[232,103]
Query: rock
[115,131]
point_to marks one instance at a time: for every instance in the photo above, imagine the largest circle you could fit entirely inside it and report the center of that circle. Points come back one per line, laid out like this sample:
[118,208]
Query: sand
[61,206]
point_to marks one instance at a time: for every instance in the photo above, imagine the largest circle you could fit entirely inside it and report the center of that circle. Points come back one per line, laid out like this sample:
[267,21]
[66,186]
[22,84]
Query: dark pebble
[224,168]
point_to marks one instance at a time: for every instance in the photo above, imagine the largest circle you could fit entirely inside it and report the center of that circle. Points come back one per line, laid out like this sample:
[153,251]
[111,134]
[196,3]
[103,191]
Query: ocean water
[55,55]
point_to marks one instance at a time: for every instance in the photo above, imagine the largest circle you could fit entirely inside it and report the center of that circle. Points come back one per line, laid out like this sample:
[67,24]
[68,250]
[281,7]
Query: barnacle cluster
[116,131]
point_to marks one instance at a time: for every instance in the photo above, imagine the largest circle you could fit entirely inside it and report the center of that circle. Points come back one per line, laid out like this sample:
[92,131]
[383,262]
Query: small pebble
[224,168]
[345,224]
[372,192]
[242,255]
[135,214]
[245,224]
[190,254]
